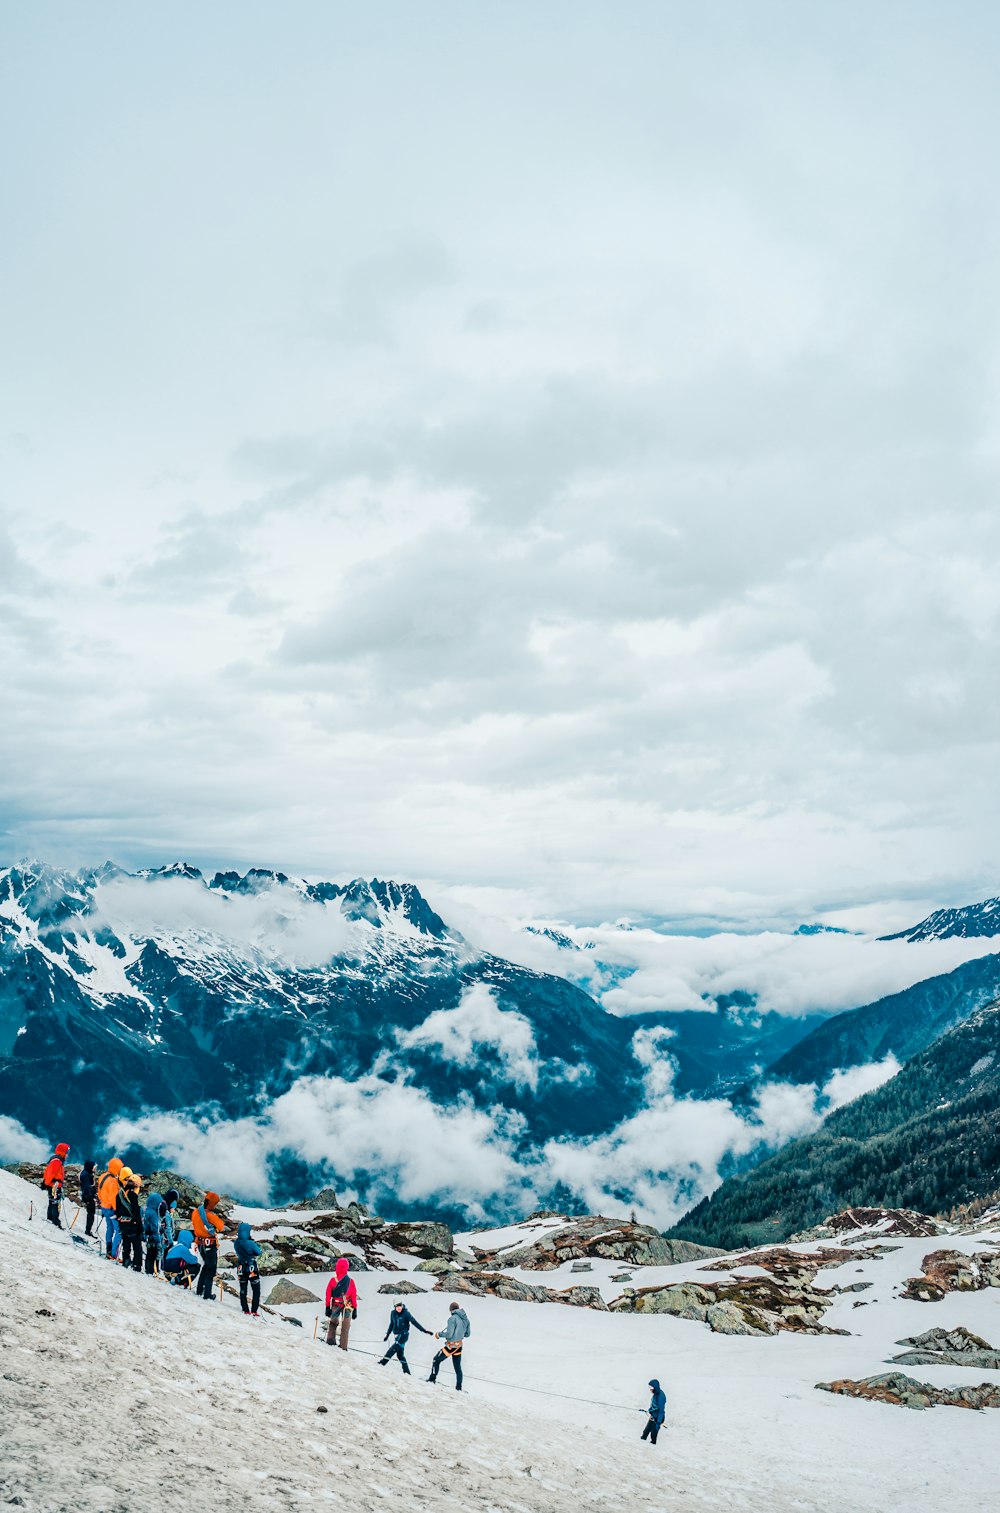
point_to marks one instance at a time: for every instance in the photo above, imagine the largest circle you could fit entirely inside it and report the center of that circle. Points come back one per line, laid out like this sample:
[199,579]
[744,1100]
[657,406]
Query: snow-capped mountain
[973,920]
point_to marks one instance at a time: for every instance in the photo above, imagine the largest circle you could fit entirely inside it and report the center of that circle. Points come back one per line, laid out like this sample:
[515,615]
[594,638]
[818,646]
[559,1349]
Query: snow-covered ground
[212,1407]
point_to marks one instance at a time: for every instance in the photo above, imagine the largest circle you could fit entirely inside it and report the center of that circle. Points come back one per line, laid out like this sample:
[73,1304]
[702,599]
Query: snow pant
[341,1316]
[451,1352]
[152,1256]
[651,1430]
[52,1212]
[397,1349]
[112,1232]
[249,1275]
[179,1273]
[132,1249]
[91,1206]
[209,1252]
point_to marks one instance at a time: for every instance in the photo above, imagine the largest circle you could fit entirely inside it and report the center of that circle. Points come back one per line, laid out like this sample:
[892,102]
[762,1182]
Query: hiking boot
[384,1361]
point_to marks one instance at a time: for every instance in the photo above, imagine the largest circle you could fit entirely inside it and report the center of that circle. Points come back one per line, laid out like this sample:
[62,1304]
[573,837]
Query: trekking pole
[31,1211]
[74,1219]
[316,1327]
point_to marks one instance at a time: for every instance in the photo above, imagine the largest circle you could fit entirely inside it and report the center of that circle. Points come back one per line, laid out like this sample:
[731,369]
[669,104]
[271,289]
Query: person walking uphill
[341,1304]
[247,1255]
[657,1412]
[107,1196]
[207,1226]
[52,1180]
[456,1330]
[88,1193]
[400,1320]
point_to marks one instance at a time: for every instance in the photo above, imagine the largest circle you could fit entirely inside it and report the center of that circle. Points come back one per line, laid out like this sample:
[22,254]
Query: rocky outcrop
[290,1292]
[593,1236]
[496,1284]
[437,1266]
[949,1347]
[428,1240]
[290,1254]
[947,1271]
[895,1387]
[886,1221]
[742,1305]
[789,1265]
[189,1194]
[398,1289]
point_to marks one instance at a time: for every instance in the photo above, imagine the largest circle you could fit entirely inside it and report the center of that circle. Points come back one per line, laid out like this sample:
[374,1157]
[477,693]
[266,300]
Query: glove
[328,1311]
[354,1313]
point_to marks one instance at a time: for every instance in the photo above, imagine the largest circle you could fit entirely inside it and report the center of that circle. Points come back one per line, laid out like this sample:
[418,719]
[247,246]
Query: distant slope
[969,922]
[929,1139]
[903,1024]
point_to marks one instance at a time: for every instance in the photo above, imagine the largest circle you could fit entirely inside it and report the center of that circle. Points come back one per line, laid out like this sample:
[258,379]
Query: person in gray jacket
[456,1330]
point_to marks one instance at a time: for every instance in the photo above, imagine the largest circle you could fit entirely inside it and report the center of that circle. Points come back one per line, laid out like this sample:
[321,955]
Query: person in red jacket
[341,1303]
[52,1181]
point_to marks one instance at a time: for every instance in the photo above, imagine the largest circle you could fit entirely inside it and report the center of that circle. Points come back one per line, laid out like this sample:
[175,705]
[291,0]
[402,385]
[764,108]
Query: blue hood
[655,1385]
[153,1204]
[243,1233]
[186,1237]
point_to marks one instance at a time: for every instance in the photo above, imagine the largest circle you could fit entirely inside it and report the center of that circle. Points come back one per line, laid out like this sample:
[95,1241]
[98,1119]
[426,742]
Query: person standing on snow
[341,1303]
[88,1193]
[247,1255]
[128,1212]
[657,1412]
[456,1330]
[52,1180]
[207,1226]
[400,1320]
[182,1261]
[168,1230]
[107,1194]
[152,1218]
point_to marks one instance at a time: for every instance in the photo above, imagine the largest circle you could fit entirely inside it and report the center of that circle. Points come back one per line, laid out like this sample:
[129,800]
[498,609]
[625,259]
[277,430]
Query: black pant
[651,1430]
[152,1253]
[249,1275]
[91,1206]
[397,1348]
[52,1212]
[456,1361]
[209,1262]
[132,1249]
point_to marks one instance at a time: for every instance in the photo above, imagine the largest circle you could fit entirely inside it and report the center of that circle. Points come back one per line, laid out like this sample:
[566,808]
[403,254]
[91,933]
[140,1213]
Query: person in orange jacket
[52,1181]
[207,1226]
[107,1194]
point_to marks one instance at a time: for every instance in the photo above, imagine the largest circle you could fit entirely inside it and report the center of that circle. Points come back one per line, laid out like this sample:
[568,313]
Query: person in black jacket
[400,1320]
[657,1412]
[128,1212]
[88,1193]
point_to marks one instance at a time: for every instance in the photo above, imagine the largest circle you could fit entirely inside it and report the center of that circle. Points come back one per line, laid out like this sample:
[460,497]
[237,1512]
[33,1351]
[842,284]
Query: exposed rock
[904,1391]
[425,1239]
[621,1276]
[189,1194]
[744,1305]
[437,1266]
[284,1254]
[855,1287]
[587,1237]
[725,1318]
[495,1284]
[789,1265]
[325,1198]
[949,1347]
[683,1251]
[888,1221]
[401,1288]
[952,1271]
[581,1266]
[290,1292]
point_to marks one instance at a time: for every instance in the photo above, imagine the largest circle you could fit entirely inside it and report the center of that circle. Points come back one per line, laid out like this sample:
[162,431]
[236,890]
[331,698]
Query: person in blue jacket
[400,1320]
[247,1255]
[151,1216]
[182,1261]
[168,1228]
[657,1412]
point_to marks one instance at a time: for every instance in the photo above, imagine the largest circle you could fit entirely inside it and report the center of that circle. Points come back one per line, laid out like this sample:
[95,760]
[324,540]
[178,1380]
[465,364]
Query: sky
[547,452]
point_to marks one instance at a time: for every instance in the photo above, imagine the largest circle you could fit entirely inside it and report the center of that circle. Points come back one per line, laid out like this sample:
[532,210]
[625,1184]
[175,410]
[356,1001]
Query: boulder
[282,1255]
[290,1292]
[584,1238]
[888,1221]
[325,1198]
[437,1266]
[741,1305]
[496,1284]
[425,1239]
[947,1271]
[399,1289]
[905,1392]
[949,1347]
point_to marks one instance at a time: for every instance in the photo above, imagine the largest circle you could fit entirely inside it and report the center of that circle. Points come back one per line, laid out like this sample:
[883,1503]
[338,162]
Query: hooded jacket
[56,1171]
[399,1325]
[205,1222]
[246,1248]
[658,1405]
[107,1188]
[151,1216]
[128,1210]
[168,1232]
[341,1291]
[457,1327]
[183,1251]
[88,1182]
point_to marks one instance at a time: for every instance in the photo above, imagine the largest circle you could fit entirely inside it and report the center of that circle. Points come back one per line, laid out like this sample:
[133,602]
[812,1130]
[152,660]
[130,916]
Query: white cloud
[19,1144]
[853,1082]
[460,1035]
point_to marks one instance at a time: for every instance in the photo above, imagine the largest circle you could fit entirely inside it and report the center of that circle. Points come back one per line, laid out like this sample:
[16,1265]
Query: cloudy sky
[549,451]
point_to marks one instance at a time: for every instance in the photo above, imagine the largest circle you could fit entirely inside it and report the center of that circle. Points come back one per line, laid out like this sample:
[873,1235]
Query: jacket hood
[62,1150]
[655,1385]
[115,1165]
[243,1232]
[153,1203]
[211,1199]
[170,1197]
[342,1267]
[186,1237]
[89,1166]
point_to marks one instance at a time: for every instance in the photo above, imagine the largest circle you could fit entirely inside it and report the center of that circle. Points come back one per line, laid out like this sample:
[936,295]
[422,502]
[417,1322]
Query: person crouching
[182,1261]
[341,1304]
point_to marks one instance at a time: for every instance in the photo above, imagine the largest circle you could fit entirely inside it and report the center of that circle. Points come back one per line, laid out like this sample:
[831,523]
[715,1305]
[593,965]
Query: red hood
[342,1267]
[62,1150]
